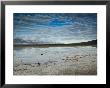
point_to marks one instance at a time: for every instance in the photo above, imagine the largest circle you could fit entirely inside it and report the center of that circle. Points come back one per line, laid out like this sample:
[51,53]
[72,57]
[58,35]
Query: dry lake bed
[78,60]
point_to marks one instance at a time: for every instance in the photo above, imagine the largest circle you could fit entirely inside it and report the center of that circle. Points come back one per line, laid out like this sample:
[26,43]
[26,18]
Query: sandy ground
[85,64]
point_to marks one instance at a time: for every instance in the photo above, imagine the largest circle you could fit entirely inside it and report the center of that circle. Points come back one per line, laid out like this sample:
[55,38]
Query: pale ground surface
[58,61]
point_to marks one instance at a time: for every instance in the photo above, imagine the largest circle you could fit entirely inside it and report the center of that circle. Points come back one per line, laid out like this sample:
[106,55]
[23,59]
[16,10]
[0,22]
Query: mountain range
[21,42]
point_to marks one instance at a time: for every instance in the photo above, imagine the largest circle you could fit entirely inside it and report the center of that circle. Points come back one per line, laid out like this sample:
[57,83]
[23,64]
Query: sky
[50,28]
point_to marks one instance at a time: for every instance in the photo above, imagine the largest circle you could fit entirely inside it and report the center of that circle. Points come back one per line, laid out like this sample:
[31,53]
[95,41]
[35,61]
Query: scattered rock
[38,64]
[93,61]
[67,57]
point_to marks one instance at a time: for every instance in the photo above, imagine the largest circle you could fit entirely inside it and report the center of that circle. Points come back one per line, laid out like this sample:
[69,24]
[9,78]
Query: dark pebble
[38,64]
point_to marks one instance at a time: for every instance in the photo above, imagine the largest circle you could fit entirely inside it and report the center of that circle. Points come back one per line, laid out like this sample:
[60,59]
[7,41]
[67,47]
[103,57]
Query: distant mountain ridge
[89,42]
[30,43]
[21,41]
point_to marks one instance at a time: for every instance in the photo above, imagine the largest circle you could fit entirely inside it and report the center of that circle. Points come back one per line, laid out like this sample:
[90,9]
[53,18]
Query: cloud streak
[55,27]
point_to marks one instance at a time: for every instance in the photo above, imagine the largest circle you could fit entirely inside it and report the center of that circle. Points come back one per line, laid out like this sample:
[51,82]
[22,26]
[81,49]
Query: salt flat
[80,60]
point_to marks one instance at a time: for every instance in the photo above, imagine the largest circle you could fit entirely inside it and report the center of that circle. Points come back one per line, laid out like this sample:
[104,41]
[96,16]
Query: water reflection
[36,54]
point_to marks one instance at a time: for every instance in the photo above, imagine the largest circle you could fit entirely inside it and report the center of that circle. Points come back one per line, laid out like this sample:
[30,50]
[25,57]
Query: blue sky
[55,27]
